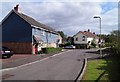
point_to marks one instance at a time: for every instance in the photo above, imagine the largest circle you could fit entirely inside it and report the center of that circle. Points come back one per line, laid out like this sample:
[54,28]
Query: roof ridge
[88,34]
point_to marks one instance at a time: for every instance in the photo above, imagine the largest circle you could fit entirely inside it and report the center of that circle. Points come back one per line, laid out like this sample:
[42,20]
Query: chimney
[16,8]
[88,30]
[93,32]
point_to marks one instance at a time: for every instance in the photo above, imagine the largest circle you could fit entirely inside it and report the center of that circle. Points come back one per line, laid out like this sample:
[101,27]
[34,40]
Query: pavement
[21,59]
[62,66]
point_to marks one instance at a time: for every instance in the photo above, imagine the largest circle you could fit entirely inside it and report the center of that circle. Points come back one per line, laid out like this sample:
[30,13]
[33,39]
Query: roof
[31,21]
[88,34]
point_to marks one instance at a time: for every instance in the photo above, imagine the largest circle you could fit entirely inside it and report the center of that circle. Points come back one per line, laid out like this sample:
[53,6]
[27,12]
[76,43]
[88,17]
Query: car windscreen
[5,48]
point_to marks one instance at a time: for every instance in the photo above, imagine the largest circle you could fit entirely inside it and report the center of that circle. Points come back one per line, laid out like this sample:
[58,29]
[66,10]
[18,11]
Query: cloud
[110,20]
[67,15]
[60,0]
[70,17]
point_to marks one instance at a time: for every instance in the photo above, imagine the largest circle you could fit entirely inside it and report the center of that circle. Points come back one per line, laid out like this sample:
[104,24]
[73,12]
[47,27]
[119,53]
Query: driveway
[64,66]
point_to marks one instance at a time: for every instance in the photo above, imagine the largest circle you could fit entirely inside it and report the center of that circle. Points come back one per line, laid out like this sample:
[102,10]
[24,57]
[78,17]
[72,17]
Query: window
[35,31]
[43,33]
[50,34]
[76,39]
[83,38]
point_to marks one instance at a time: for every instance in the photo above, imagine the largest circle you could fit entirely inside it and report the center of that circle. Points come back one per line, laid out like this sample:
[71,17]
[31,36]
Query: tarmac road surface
[65,66]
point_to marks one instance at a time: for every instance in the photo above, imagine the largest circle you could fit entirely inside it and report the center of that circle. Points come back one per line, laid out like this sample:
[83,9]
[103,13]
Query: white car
[69,47]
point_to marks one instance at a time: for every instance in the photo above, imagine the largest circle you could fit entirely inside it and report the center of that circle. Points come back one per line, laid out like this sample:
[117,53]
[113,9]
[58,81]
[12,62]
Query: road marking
[7,69]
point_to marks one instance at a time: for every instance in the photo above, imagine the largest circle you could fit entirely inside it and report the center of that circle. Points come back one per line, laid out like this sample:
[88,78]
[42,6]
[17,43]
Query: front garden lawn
[101,70]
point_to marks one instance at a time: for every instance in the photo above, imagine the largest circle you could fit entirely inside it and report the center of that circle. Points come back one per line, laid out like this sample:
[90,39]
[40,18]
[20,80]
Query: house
[60,39]
[85,39]
[23,34]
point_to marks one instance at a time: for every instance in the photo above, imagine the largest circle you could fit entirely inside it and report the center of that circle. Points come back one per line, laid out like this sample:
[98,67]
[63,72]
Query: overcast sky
[69,16]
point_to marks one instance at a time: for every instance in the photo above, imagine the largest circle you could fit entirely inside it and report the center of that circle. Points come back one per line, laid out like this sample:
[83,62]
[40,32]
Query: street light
[100,33]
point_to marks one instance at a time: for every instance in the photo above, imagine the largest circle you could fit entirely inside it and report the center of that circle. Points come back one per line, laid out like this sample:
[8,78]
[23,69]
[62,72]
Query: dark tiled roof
[32,21]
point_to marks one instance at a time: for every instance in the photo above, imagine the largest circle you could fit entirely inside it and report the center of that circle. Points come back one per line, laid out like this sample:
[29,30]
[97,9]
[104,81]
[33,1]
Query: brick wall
[19,47]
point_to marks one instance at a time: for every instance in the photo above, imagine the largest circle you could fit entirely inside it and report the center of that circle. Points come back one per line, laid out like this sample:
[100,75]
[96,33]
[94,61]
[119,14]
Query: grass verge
[102,70]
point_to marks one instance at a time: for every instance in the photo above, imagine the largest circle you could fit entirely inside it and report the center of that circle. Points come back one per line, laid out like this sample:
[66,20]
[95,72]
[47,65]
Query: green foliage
[94,70]
[52,50]
[116,45]
[65,44]
[102,69]
[112,41]
[61,34]
[109,44]
[116,49]
[93,45]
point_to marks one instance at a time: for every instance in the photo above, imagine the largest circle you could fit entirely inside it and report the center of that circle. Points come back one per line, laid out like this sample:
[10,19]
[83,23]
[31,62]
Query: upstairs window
[76,39]
[83,38]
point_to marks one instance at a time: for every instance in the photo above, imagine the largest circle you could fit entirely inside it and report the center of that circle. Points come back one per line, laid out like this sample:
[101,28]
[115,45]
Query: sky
[69,16]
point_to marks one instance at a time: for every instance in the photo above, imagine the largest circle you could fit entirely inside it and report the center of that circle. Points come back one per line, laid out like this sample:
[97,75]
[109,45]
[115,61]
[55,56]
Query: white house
[85,37]
[60,39]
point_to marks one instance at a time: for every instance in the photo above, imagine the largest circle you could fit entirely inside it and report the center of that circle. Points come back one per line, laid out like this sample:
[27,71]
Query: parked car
[5,52]
[69,47]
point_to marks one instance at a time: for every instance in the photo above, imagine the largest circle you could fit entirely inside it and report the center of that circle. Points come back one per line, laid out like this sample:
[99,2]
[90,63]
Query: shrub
[116,49]
[109,44]
[93,45]
[65,44]
[51,50]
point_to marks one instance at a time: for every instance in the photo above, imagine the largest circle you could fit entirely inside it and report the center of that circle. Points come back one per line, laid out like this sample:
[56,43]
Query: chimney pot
[93,32]
[16,8]
[88,30]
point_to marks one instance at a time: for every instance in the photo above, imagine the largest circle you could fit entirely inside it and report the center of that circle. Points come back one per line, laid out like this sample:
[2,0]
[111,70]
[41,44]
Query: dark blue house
[21,32]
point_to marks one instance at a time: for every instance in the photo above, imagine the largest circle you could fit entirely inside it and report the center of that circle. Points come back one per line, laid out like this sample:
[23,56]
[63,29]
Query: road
[65,66]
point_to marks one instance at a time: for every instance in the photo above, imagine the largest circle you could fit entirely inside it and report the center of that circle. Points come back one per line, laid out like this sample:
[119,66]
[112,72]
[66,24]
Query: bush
[93,45]
[109,44]
[51,50]
[116,49]
[65,44]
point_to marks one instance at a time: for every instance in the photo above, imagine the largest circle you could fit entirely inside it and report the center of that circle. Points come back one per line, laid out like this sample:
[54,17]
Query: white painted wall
[89,39]
[80,39]
[60,39]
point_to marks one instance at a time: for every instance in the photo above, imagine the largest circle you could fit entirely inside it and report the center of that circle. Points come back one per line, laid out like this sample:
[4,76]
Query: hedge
[51,50]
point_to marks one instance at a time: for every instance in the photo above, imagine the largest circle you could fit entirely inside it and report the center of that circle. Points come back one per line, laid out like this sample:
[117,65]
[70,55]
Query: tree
[70,40]
[115,36]
[115,40]
[61,34]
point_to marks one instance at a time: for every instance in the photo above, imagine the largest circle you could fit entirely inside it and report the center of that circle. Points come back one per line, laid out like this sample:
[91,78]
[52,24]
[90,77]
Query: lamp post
[100,33]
